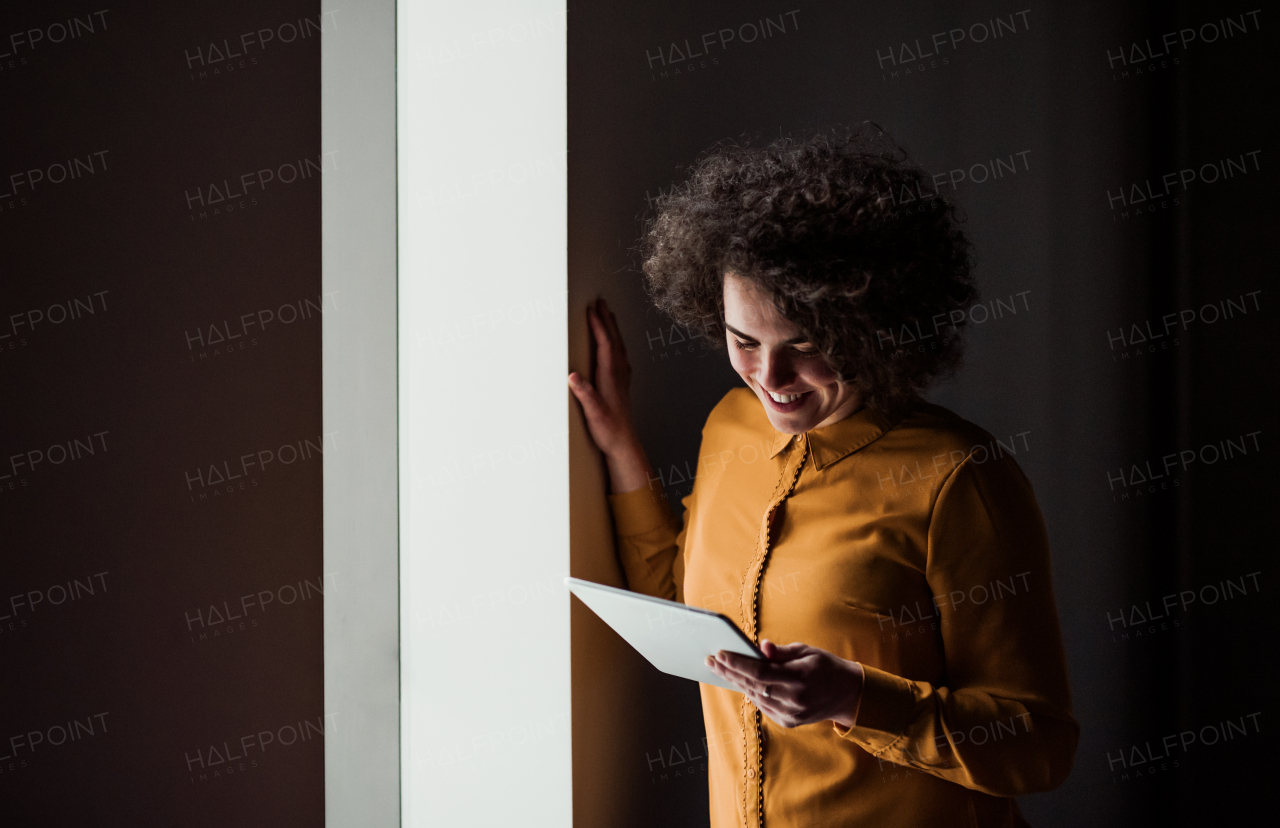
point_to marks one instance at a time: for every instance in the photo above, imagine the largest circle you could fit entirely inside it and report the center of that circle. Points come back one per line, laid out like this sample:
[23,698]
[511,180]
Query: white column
[485,694]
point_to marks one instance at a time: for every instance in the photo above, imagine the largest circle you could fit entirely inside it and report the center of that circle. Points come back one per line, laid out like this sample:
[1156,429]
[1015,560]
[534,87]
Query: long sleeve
[1001,722]
[649,542]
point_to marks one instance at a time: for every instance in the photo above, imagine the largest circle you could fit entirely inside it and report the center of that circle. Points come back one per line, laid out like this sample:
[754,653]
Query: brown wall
[185,379]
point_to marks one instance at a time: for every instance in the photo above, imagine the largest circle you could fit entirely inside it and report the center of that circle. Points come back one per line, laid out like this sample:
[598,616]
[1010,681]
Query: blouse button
[751,773]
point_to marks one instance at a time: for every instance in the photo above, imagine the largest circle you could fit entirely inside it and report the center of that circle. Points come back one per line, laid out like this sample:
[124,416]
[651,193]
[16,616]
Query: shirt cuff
[885,709]
[640,511]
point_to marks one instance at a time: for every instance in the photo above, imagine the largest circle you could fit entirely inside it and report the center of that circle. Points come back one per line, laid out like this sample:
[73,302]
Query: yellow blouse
[915,548]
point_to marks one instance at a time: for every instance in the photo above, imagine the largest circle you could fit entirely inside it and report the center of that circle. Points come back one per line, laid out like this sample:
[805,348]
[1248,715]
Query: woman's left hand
[797,685]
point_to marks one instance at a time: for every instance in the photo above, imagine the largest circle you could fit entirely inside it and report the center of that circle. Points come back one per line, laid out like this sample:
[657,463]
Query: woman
[897,548]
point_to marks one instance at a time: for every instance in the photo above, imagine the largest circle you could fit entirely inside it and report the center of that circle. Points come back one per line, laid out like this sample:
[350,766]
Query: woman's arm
[1001,723]
[647,534]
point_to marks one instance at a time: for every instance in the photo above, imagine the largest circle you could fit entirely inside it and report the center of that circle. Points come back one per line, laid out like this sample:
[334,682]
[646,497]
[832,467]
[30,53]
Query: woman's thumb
[584,391]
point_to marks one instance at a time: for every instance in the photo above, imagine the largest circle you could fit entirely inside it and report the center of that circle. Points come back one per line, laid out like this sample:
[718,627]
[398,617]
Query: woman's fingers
[615,332]
[781,705]
[601,335]
[778,705]
[609,324]
[755,674]
[612,373]
[755,668]
[611,360]
[804,684]
[784,652]
[780,693]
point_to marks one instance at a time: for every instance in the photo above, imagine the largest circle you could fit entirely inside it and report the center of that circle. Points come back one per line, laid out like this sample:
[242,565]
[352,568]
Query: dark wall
[160,492]
[1071,96]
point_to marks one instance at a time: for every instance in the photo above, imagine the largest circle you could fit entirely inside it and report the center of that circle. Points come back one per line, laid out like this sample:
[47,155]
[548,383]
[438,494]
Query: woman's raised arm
[648,536]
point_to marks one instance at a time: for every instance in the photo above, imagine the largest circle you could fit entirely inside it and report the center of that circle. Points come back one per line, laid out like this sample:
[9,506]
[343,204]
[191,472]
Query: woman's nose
[776,371]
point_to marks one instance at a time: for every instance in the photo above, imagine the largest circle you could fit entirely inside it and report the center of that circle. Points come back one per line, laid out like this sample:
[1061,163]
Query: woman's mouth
[784,403]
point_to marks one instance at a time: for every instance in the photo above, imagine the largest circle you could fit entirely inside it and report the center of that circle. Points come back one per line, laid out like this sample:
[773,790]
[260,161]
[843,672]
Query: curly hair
[851,241]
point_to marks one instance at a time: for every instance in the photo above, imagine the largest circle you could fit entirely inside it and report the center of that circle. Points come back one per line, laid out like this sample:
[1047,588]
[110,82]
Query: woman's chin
[796,422]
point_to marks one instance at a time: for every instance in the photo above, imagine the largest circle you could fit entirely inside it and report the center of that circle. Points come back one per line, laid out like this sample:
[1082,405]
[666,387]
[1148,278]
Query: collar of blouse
[832,443]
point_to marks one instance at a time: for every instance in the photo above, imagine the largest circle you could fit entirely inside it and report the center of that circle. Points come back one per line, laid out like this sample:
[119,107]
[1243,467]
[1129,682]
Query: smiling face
[797,388]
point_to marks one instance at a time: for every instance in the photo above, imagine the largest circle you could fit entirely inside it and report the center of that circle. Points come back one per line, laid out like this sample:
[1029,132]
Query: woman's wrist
[629,468]
[848,717]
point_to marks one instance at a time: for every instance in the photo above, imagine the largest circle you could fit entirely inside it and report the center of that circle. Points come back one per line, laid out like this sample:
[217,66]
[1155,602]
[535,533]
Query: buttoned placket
[752,718]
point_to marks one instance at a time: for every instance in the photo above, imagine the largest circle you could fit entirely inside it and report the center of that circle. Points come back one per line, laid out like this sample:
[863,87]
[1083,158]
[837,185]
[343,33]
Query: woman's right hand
[604,396]
[605,402]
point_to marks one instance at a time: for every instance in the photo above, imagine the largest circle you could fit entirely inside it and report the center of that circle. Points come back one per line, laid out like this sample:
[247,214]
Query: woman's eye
[744,346]
[812,352]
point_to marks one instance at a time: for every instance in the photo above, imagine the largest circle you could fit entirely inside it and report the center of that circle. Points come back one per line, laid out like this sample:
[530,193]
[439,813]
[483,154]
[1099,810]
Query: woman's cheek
[740,361]
[820,374]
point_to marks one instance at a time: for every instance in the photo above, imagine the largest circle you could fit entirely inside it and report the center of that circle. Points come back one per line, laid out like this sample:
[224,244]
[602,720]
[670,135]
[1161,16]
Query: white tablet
[675,637]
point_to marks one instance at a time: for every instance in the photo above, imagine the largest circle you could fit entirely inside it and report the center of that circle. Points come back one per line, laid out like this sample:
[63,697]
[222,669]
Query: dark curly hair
[850,239]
